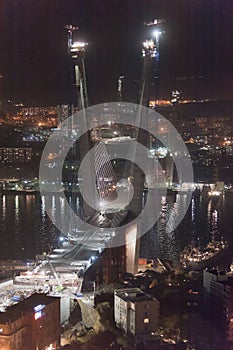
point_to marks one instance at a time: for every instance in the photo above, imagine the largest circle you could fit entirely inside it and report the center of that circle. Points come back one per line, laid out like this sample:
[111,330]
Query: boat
[194,257]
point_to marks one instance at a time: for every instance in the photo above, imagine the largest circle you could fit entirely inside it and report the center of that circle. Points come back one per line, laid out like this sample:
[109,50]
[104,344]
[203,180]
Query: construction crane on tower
[150,57]
[156,33]
[76,51]
[70,29]
[78,102]
[155,22]
[120,88]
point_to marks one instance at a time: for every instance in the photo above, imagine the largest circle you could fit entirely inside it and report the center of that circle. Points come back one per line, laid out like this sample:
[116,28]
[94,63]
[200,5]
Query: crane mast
[76,51]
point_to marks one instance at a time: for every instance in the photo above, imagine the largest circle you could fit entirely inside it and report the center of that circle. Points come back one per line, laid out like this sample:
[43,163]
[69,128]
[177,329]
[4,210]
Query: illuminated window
[146,320]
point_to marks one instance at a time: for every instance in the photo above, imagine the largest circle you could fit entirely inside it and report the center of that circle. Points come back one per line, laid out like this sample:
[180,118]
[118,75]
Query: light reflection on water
[206,220]
[26,230]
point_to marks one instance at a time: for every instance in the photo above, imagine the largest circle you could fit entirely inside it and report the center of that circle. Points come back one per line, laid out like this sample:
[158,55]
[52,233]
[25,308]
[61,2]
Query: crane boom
[155,22]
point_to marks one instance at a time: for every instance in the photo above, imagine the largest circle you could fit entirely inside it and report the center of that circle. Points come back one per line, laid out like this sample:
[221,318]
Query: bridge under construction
[109,215]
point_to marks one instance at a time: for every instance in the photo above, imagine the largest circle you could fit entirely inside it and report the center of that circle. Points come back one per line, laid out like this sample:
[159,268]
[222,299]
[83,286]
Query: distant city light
[162,152]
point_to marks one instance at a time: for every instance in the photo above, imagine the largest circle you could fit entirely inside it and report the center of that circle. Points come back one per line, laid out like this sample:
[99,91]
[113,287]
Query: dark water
[205,220]
[26,230]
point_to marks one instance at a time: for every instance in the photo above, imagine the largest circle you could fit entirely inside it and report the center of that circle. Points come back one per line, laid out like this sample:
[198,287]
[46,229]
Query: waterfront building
[135,312]
[32,324]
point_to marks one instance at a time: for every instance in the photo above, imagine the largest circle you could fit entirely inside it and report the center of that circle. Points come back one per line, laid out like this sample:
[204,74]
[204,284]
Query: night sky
[197,45]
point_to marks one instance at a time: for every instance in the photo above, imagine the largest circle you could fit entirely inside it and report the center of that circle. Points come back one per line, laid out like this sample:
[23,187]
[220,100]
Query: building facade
[33,324]
[218,291]
[135,312]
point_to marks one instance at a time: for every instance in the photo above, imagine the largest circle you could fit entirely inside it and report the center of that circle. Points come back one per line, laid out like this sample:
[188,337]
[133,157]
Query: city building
[218,291]
[62,113]
[34,117]
[212,282]
[114,264]
[32,324]
[109,266]
[135,312]
[15,155]
[37,111]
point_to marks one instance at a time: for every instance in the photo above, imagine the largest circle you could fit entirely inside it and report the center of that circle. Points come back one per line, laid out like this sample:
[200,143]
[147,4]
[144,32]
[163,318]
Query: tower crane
[155,22]
[76,51]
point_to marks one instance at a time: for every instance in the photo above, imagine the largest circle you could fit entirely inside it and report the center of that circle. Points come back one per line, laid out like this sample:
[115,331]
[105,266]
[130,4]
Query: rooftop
[29,304]
[132,294]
